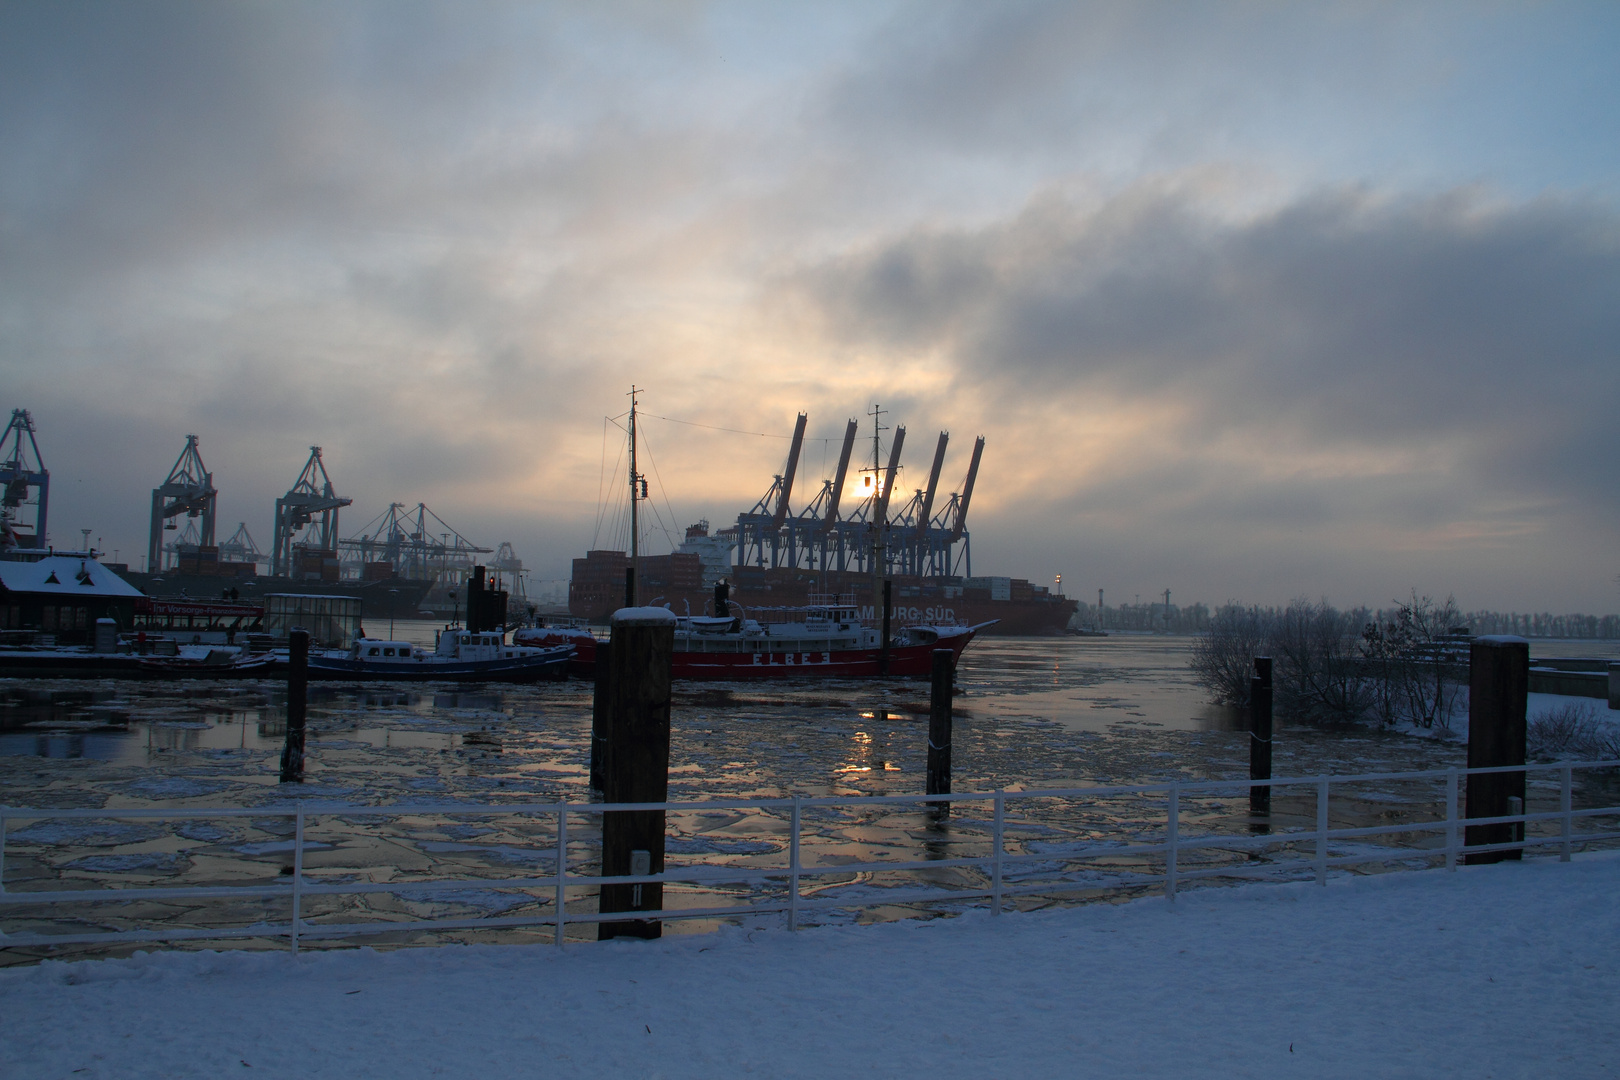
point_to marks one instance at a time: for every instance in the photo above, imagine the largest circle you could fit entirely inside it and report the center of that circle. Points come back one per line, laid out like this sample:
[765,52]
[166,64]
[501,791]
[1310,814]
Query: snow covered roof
[65,575]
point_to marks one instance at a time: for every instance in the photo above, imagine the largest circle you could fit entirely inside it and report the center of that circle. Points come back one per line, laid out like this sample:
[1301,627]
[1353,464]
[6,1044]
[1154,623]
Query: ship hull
[902,661]
[1037,617]
[66,664]
[516,670]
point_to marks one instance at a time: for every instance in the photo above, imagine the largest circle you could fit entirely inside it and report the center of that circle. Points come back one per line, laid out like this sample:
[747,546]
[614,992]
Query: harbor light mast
[22,468]
[189,490]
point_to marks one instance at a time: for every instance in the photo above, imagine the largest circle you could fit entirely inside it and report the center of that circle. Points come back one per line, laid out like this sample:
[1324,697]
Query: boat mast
[636,486]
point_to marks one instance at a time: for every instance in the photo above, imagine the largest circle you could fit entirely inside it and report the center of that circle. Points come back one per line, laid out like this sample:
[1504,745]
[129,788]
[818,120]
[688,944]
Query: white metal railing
[993,866]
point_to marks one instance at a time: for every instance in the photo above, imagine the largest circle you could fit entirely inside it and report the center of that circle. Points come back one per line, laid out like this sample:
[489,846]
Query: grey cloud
[1355,319]
[1459,356]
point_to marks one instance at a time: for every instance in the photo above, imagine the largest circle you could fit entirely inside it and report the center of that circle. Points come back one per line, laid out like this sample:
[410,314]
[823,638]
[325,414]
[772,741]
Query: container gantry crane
[418,544]
[309,502]
[22,468]
[917,539]
[188,490]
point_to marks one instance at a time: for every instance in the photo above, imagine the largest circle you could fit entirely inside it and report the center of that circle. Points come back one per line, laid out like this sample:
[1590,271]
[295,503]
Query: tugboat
[825,639]
[460,656]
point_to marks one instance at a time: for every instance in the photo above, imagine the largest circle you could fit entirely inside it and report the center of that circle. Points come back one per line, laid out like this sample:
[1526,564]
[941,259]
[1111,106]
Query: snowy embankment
[1495,971]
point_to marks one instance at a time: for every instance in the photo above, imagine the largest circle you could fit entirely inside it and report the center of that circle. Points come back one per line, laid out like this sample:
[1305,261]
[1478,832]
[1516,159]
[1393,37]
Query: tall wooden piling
[636,765]
[600,698]
[939,726]
[1260,735]
[1498,687]
[292,752]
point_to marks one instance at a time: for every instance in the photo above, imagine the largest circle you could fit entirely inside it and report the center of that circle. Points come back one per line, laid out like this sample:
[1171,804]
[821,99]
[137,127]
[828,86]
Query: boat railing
[843,600]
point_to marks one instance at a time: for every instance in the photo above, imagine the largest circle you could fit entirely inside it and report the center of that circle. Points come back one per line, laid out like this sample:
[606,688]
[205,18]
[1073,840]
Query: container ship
[777,558]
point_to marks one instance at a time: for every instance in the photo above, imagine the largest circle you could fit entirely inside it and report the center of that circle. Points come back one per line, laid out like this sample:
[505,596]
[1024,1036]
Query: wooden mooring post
[599,714]
[635,766]
[1498,687]
[939,727]
[1260,738]
[292,752]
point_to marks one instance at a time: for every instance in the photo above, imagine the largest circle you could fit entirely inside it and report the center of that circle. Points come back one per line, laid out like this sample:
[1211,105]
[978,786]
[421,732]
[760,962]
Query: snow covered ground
[1496,971]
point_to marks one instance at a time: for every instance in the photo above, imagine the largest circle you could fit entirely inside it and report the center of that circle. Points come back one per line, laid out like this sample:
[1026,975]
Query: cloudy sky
[1250,300]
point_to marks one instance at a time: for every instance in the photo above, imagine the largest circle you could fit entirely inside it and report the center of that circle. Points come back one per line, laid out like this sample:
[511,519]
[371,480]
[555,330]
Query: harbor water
[1031,713]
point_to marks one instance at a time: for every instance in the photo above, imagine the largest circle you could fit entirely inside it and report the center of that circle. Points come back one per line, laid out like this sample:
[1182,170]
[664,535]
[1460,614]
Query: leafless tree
[1317,670]
[1429,680]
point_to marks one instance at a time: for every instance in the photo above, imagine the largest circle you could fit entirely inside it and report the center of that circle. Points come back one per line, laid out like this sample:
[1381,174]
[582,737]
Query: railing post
[1173,837]
[1451,819]
[562,870]
[298,876]
[793,870]
[1321,830]
[1565,806]
[998,831]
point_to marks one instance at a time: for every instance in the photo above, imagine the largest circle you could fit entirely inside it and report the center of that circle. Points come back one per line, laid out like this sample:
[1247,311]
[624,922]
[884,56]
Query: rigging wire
[711,427]
[601,482]
[739,431]
[601,478]
[664,491]
[619,526]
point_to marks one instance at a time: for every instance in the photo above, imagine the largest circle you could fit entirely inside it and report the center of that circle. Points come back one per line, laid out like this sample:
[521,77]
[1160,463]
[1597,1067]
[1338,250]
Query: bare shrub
[1316,673]
[1223,659]
[1317,667]
[1571,732]
[1411,662]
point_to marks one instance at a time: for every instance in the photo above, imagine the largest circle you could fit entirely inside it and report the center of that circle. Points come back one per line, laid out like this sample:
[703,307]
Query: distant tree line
[1197,619]
[1544,625]
[1152,618]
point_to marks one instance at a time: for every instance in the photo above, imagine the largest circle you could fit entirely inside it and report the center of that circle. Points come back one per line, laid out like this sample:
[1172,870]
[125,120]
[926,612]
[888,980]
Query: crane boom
[880,516]
[787,477]
[838,479]
[967,490]
[933,484]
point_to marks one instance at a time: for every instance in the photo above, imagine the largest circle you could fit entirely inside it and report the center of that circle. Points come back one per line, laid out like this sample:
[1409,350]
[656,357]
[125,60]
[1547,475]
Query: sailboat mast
[635,498]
